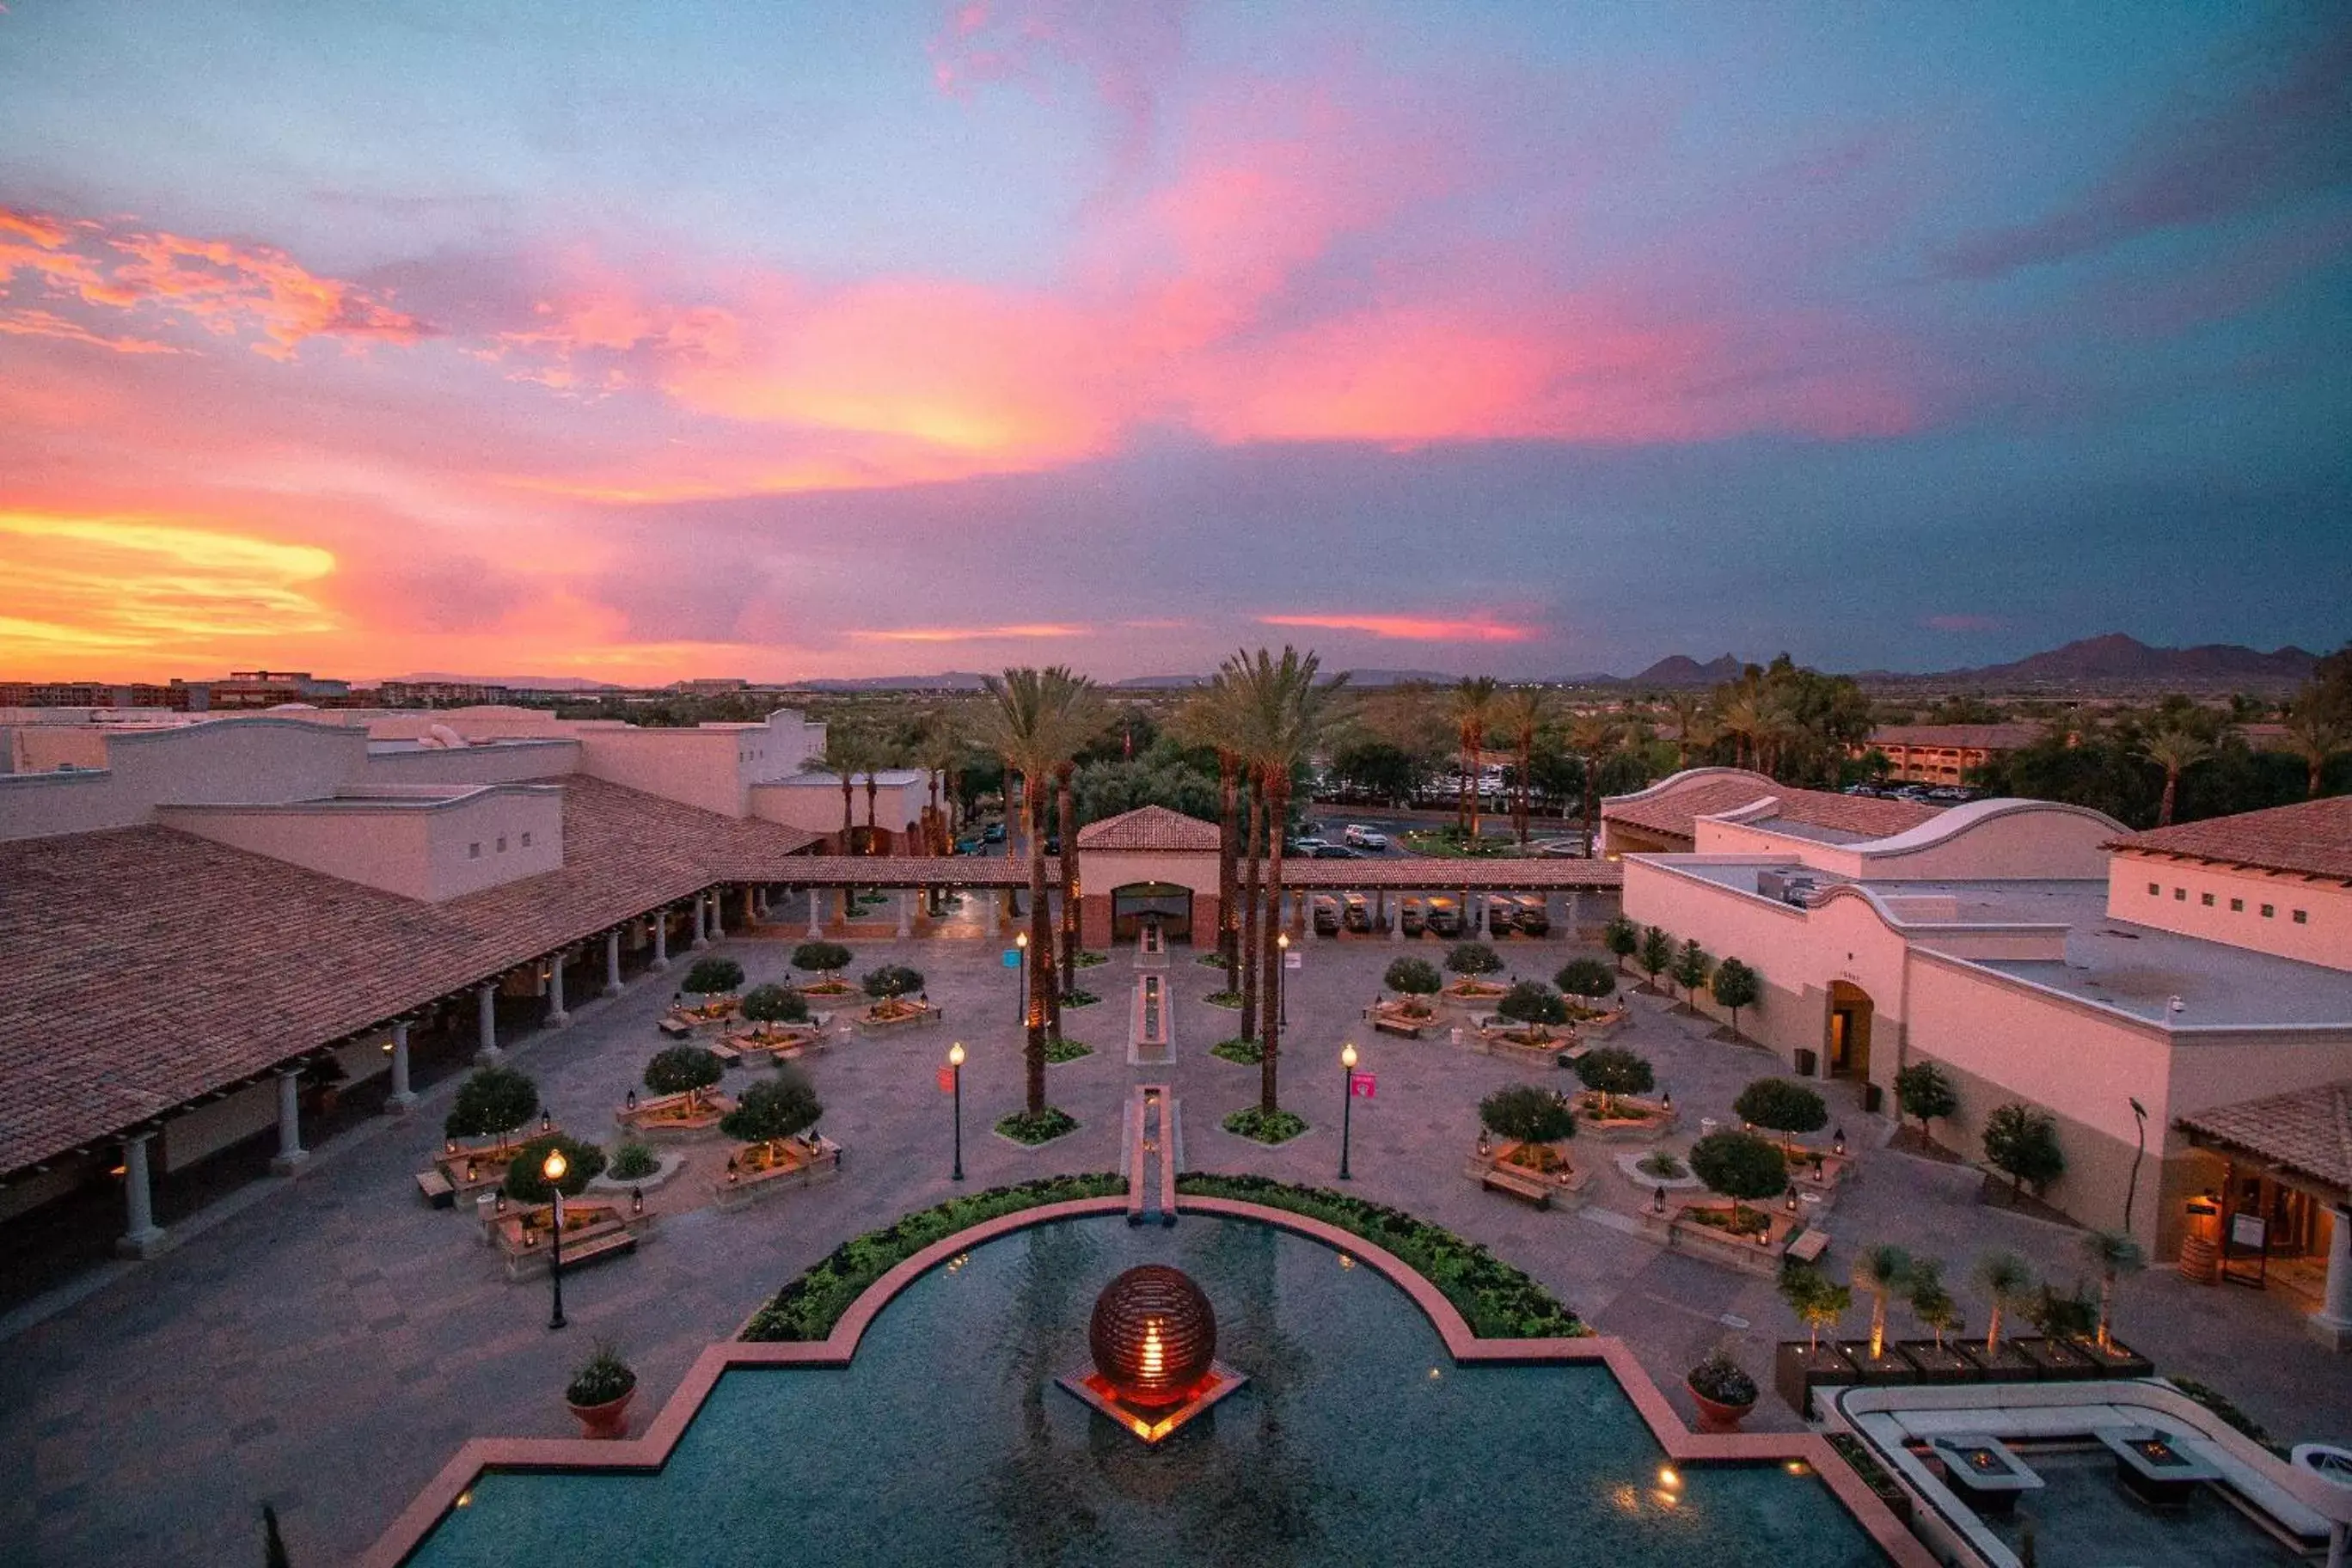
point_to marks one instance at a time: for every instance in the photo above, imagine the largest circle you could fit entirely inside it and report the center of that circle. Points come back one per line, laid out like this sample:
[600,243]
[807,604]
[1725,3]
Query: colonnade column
[816,913]
[906,914]
[291,1152]
[701,923]
[2332,1324]
[1395,919]
[751,905]
[661,939]
[994,900]
[556,1017]
[717,930]
[141,1236]
[1309,932]
[401,1097]
[613,962]
[486,1015]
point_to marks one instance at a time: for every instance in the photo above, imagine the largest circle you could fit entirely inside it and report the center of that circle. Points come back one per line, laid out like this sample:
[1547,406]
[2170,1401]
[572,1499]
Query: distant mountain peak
[1681,670]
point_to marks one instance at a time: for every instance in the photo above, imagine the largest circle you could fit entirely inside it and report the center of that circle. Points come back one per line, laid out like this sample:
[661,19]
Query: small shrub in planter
[600,1390]
[1529,1113]
[1472,958]
[892,980]
[1038,1127]
[1413,977]
[1533,1003]
[1611,1070]
[1075,998]
[1232,999]
[1783,1105]
[775,1005]
[1739,1166]
[713,978]
[632,1162]
[1586,978]
[1059,1051]
[684,1069]
[491,1102]
[527,1181]
[1249,1053]
[1662,1166]
[1266,1126]
[773,1110]
[1721,1383]
[825,958]
[1819,1301]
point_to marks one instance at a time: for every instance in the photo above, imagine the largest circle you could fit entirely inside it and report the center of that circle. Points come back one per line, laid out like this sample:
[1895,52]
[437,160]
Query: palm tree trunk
[1228,874]
[1591,796]
[2171,789]
[848,812]
[1877,1325]
[1011,841]
[1992,1330]
[1069,817]
[2311,786]
[1041,936]
[1477,756]
[2106,1300]
[1277,817]
[1250,911]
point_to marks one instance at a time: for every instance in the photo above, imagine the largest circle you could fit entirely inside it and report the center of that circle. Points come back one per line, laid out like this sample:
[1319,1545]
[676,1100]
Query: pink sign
[1363,1086]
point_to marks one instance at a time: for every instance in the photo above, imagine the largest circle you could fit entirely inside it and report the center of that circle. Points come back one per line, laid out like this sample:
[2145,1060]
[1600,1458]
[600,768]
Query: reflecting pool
[1357,1440]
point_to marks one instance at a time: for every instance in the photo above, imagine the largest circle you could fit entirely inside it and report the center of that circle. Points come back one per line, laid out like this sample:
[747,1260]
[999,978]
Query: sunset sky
[771,340]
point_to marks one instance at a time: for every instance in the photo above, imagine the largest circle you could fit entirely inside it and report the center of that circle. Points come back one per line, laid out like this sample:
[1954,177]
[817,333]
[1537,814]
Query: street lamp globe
[955,1055]
[1347,1055]
[1021,939]
[555,1165]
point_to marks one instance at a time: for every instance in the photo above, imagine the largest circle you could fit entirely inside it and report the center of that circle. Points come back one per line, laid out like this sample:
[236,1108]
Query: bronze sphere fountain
[1153,1336]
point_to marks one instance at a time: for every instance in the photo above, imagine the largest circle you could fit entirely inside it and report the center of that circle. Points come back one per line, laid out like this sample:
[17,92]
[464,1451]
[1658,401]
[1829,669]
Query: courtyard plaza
[324,1343]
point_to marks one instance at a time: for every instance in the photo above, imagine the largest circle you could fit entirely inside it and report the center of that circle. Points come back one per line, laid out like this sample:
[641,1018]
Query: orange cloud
[1410,628]
[30,323]
[228,289]
[971,634]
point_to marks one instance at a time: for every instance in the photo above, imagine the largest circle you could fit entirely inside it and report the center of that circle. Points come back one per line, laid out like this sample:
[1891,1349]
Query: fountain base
[1154,1424]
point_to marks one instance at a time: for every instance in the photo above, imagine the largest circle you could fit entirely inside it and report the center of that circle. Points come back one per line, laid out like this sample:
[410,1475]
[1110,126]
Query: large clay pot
[1715,1417]
[609,1420]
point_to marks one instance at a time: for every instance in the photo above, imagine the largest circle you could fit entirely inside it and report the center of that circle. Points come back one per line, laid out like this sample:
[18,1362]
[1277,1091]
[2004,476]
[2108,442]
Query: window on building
[2155,890]
[502,843]
[526,844]
[2303,917]
[2268,912]
[2237,906]
[2179,895]
[2205,899]
[473,851]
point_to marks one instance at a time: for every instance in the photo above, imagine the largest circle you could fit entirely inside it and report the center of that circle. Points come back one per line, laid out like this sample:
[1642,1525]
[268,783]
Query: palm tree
[845,746]
[1034,720]
[1930,1302]
[2175,750]
[2315,737]
[936,748]
[1522,712]
[1063,773]
[1592,737]
[1689,709]
[1287,713]
[2007,1280]
[2112,1253]
[1882,1271]
[1473,709]
[1205,721]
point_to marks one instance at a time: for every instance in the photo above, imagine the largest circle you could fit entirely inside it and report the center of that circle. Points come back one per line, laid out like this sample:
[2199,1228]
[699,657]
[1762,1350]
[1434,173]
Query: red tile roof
[2306,1130]
[149,966]
[1677,811]
[2311,839]
[1151,827]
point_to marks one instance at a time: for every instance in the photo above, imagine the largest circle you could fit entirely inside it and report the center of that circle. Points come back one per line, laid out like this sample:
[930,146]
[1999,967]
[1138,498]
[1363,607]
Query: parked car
[1443,916]
[1359,837]
[1356,913]
[969,844]
[1409,918]
[1307,847]
[1559,848]
[1326,917]
[1337,852]
[1530,916]
[992,833]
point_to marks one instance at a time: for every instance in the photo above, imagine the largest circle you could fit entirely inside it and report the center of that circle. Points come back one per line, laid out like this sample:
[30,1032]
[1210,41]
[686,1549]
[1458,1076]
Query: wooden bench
[597,1250]
[1530,1189]
[1808,1247]
[436,1189]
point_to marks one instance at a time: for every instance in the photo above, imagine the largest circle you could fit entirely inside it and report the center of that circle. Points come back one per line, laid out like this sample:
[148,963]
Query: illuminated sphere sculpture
[1153,1335]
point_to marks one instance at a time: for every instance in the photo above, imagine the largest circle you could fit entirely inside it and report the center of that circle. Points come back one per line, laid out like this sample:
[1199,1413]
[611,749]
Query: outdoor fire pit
[2153,1468]
[1982,1470]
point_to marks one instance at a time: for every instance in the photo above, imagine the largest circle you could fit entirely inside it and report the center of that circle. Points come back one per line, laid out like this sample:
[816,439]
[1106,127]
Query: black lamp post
[1021,942]
[554,1170]
[1281,983]
[2140,1149]
[1346,1106]
[955,1070]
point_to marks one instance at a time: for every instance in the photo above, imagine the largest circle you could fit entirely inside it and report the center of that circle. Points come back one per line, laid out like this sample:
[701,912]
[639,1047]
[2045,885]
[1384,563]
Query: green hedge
[809,1307]
[1498,1301]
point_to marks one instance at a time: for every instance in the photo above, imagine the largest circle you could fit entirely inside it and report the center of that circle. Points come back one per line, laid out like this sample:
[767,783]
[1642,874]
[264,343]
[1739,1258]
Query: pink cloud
[1410,628]
[1963,623]
[1020,633]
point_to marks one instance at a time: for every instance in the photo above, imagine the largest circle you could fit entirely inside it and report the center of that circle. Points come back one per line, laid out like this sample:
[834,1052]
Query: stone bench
[1529,1189]
[1808,1247]
[438,1189]
[576,1254]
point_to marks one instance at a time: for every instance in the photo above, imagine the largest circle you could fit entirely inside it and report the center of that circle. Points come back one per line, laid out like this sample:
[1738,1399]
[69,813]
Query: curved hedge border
[809,1307]
[1498,1301]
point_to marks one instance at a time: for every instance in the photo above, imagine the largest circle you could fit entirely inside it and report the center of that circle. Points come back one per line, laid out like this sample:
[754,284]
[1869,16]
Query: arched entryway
[1849,1041]
[1170,903]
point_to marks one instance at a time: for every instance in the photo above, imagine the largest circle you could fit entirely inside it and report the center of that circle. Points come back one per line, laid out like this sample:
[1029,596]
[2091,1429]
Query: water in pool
[1357,1441]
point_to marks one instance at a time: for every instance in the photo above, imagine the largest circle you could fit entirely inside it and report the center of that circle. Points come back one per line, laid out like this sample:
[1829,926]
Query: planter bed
[672,1162]
[1544,1189]
[2118,1360]
[682,1022]
[2059,1361]
[1882,1484]
[1646,1128]
[1403,1026]
[803,1162]
[1892,1366]
[1798,1368]
[2010,1365]
[780,1044]
[663,1119]
[1682,1233]
[915,1018]
[1598,1027]
[1940,1363]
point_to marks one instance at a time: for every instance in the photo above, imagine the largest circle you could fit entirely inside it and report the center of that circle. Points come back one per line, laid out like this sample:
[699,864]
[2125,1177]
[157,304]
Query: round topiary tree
[775,1005]
[1739,1166]
[1782,1106]
[713,978]
[1922,1090]
[1527,1113]
[1655,955]
[892,980]
[1413,977]
[491,1102]
[525,1174]
[1472,958]
[1532,1002]
[1611,1070]
[1735,987]
[1621,937]
[1586,978]
[773,1110]
[825,958]
[1692,966]
[2022,1143]
[684,1069]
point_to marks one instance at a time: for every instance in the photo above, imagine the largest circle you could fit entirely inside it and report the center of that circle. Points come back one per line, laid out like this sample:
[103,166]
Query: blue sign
[1012,957]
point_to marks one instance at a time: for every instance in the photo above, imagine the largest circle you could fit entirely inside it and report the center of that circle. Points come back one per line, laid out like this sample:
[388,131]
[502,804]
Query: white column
[661,940]
[401,1097]
[142,1238]
[751,905]
[612,962]
[291,1152]
[1396,919]
[906,914]
[556,1017]
[1571,914]
[701,929]
[816,913]
[1477,903]
[2332,1324]
[486,1015]
[717,929]
[1307,902]
[995,903]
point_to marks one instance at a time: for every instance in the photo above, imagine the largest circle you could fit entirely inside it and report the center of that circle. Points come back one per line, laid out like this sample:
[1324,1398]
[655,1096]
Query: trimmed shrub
[1532,1002]
[1735,987]
[892,980]
[527,1184]
[1621,937]
[1472,958]
[1529,1113]
[1611,1070]
[1034,1127]
[713,978]
[1655,953]
[1413,977]
[1692,966]
[684,1069]
[775,1005]
[1586,978]
[633,1162]
[1739,1166]
[1266,1126]
[826,958]
[490,1102]
[1922,1090]
[776,1107]
[2022,1143]
[1781,1105]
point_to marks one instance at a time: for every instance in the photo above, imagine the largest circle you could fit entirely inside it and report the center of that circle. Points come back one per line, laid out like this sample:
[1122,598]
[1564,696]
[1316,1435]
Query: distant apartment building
[1943,754]
[90,694]
[248,689]
[438,694]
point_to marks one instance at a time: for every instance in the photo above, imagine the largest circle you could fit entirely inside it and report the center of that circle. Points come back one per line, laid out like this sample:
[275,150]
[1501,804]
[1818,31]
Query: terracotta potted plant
[1723,1392]
[600,1393]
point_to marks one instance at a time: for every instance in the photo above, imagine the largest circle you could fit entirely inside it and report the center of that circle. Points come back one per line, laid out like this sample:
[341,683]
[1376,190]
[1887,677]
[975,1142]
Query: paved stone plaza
[325,1344]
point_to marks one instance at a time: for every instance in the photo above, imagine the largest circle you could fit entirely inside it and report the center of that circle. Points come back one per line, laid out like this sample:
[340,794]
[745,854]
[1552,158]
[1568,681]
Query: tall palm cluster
[1264,716]
[1037,721]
